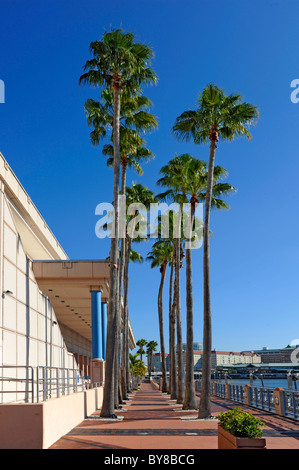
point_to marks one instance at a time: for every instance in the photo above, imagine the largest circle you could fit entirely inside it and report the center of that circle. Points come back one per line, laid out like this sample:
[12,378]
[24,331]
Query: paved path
[152,421]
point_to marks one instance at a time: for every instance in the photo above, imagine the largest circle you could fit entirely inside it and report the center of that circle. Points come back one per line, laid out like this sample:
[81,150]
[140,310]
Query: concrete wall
[38,426]
[29,332]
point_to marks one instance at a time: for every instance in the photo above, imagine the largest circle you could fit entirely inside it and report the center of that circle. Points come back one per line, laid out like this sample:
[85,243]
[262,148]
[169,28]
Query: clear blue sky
[250,47]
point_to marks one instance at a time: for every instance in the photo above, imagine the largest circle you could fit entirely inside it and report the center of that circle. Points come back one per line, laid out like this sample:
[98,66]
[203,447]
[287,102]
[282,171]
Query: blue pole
[104,328]
[96,310]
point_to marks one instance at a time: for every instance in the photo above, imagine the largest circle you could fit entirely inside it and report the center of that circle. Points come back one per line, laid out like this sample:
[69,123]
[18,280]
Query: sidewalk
[152,421]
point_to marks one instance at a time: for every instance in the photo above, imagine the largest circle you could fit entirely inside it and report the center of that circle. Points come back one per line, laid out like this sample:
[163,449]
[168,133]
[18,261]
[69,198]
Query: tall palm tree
[217,117]
[161,256]
[135,194]
[132,256]
[134,114]
[134,119]
[197,175]
[174,178]
[172,314]
[121,63]
[141,343]
[172,321]
[133,152]
[151,347]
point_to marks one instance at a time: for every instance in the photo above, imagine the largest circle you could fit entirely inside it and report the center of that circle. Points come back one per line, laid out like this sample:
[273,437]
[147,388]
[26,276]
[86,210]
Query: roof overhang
[68,284]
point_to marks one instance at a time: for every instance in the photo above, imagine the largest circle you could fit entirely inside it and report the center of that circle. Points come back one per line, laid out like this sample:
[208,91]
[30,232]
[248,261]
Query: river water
[273,383]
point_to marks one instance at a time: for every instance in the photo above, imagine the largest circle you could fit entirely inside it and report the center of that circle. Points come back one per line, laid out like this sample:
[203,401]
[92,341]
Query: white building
[220,358]
[52,309]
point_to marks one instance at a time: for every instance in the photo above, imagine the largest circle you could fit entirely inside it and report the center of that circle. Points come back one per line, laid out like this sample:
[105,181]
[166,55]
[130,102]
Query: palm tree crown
[118,60]
[227,115]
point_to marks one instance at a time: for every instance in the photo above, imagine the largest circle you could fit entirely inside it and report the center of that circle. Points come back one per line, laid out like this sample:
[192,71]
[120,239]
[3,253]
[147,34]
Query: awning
[68,285]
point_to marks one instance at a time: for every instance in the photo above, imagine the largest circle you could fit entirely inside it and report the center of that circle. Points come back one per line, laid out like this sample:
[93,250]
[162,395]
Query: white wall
[28,335]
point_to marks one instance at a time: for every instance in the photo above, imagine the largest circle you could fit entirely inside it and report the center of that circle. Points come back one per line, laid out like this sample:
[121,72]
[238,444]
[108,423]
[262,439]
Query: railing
[54,382]
[291,403]
[264,398]
[23,384]
[42,383]
[220,390]
[236,393]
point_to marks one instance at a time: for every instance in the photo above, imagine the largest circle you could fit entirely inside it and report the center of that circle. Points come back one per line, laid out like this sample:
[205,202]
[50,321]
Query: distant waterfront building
[157,362]
[219,358]
[226,357]
[273,369]
[279,355]
[196,346]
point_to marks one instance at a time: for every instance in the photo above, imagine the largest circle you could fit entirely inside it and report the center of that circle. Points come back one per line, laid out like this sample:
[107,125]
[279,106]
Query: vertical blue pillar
[96,318]
[104,328]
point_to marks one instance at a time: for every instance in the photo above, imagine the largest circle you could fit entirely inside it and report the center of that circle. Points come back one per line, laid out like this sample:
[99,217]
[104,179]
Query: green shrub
[241,424]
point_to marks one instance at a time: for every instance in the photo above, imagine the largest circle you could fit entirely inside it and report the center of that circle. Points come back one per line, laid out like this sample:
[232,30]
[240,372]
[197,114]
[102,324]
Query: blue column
[104,328]
[96,318]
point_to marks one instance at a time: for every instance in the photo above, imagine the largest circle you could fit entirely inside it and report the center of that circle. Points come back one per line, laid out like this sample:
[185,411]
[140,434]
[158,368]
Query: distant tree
[141,343]
[137,367]
[151,348]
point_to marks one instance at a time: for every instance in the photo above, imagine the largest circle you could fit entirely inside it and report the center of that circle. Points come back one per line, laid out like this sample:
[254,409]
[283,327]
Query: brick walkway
[152,421]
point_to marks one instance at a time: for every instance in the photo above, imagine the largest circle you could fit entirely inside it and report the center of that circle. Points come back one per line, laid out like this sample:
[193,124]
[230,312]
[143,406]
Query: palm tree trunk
[190,402]
[172,348]
[205,401]
[126,316]
[161,327]
[125,364]
[109,398]
[180,397]
[170,327]
[150,364]
[123,386]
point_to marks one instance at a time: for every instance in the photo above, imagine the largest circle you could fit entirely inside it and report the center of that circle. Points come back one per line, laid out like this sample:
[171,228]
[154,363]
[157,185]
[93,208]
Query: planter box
[227,441]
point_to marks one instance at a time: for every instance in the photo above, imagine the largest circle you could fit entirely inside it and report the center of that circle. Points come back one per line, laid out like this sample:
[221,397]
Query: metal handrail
[291,403]
[261,398]
[57,381]
[43,383]
[19,380]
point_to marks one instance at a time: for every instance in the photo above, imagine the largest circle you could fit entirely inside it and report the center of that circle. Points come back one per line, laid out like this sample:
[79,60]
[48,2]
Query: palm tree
[224,117]
[172,388]
[151,348]
[161,256]
[132,257]
[136,194]
[197,175]
[174,178]
[121,63]
[133,152]
[141,343]
[134,119]
[137,367]
[134,114]
[172,349]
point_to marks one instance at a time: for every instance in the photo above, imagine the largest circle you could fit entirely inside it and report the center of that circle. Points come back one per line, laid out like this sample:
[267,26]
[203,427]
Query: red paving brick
[152,421]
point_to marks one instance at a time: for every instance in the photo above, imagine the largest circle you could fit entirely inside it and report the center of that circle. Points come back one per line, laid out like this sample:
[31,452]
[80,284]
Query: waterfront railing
[280,401]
